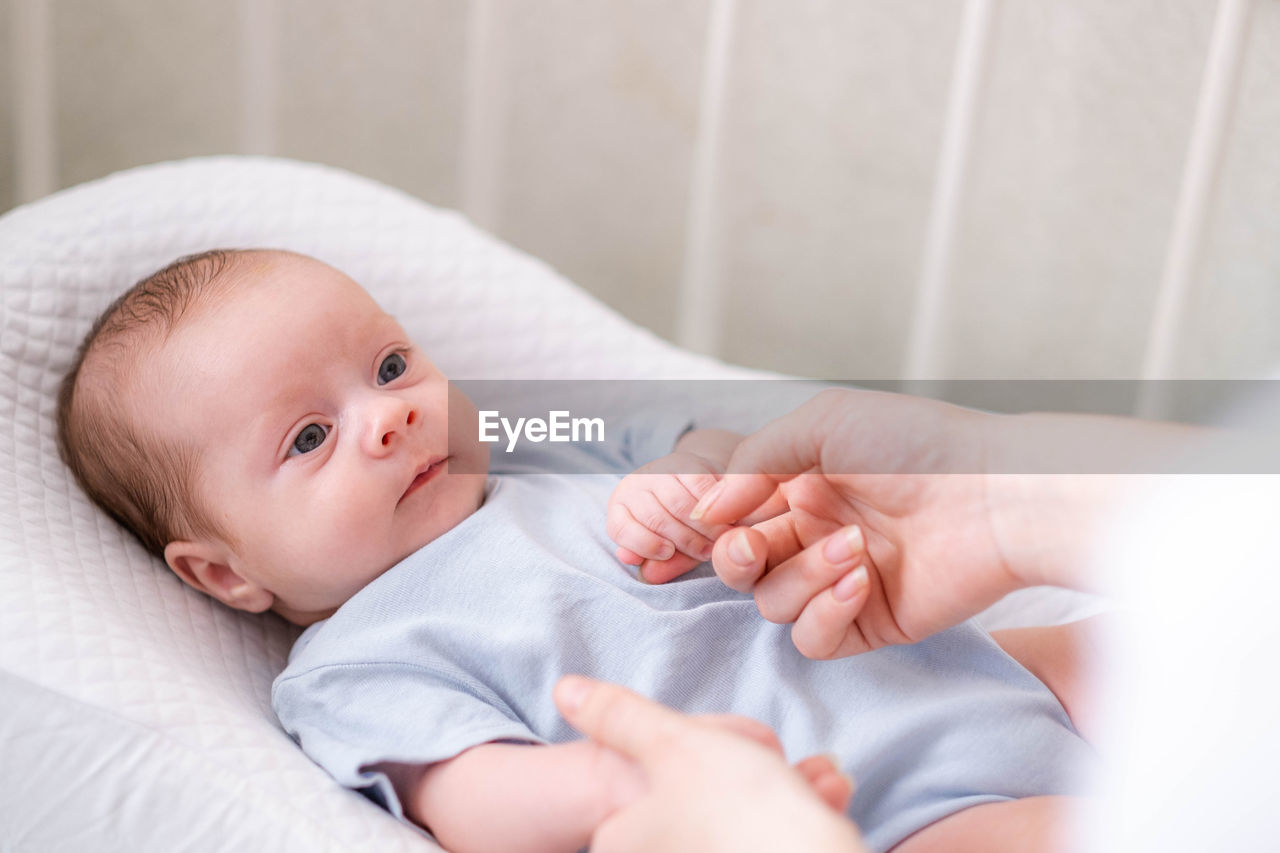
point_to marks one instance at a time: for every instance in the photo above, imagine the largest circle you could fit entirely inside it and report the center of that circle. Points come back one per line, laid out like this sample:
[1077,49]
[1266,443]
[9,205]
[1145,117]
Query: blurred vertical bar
[480,140]
[259,81]
[1214,109]
[924,347]
[699,309]
[35,142]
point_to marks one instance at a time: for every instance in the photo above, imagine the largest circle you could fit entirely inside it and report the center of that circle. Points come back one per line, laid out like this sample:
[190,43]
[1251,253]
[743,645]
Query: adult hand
[711,789]
[893,532]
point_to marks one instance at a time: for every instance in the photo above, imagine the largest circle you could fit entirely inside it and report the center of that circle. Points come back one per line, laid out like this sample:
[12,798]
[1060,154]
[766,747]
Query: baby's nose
[389,426]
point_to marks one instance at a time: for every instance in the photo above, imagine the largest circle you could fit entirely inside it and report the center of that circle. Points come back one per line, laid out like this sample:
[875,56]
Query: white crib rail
[1214,110]
[700,308]
[701,295]
[925,352]
[480,154]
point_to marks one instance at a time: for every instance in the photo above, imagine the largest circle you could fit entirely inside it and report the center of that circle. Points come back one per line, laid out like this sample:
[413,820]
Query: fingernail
[708,499]
[835,763]
[850,585]
[573,692]
[705,553]
[740,550]
[668,551]
[842,549]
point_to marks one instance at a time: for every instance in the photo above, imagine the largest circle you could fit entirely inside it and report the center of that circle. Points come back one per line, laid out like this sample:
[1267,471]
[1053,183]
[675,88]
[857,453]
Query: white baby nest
[135,712]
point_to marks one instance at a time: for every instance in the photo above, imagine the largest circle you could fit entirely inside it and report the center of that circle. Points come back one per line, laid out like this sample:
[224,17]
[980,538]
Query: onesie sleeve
[649,437]
[347,717]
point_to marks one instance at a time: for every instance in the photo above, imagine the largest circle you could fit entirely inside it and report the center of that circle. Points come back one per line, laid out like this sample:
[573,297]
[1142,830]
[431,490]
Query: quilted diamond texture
[135,713]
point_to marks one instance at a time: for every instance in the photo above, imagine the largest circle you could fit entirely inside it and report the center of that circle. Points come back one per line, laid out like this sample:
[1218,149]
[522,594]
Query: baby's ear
[205,567]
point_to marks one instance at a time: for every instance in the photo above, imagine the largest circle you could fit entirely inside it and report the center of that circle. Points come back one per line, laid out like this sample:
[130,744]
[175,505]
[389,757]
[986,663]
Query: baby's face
[322,435]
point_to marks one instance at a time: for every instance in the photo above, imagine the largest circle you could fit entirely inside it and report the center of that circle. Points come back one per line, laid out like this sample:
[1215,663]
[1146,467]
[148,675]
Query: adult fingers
[739,558]
[733,497]
[696,484]
[784,448]
[827,627]
[746,727]
[776,505]
[792,583]
[618,718]
[742,556]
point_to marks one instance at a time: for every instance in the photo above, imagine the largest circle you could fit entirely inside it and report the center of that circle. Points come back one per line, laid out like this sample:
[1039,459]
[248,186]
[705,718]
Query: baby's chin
[476,487]
[464,494]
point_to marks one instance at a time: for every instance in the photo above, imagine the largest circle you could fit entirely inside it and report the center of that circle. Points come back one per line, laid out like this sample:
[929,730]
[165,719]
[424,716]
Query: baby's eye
[391,367]
[311,437]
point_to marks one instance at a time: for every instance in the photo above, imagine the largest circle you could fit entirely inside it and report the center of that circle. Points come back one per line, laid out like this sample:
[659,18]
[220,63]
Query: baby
[261,424]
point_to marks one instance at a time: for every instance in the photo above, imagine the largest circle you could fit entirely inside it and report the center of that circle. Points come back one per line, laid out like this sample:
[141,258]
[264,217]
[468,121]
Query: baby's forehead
[160,340]
[292,314]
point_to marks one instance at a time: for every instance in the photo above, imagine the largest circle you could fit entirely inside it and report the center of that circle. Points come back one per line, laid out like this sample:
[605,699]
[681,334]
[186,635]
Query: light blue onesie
[461,643]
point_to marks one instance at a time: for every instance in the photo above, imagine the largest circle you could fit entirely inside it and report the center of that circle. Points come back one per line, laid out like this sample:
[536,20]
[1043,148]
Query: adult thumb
[784,448]
[617,717]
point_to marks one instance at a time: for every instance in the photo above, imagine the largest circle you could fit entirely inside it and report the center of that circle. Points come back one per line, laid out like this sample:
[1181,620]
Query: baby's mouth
[425,474]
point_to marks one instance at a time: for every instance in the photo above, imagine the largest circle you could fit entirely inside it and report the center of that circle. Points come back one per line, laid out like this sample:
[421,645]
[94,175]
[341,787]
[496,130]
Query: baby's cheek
[331,526]
[347,522]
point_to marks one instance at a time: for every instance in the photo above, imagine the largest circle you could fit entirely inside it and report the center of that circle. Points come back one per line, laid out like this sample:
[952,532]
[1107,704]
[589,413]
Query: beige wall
[7,128]
[579,144]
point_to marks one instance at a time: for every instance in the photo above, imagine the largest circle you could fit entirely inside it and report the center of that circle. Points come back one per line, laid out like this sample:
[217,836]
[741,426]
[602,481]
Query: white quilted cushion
[134,712]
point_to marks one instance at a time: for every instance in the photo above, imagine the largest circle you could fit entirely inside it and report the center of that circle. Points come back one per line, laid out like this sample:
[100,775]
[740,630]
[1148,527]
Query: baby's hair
[146,484]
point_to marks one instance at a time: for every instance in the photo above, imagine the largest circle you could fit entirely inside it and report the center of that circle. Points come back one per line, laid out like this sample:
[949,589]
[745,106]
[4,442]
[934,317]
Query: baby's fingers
[825,779]
[661,571]
[635,538]
[647,509]
[626,555]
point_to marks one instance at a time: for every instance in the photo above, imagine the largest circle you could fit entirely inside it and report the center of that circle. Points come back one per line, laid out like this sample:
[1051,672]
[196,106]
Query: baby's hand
[649,516]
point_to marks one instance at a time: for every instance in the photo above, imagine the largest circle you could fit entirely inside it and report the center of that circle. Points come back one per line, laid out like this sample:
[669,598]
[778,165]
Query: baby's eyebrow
[268,430]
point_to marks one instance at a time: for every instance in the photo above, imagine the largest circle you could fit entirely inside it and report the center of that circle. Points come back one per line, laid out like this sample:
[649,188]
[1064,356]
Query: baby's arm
[517,797]
[714,445]
[523,798]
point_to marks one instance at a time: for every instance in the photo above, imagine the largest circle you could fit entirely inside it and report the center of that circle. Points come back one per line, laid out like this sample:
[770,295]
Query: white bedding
[134,712]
